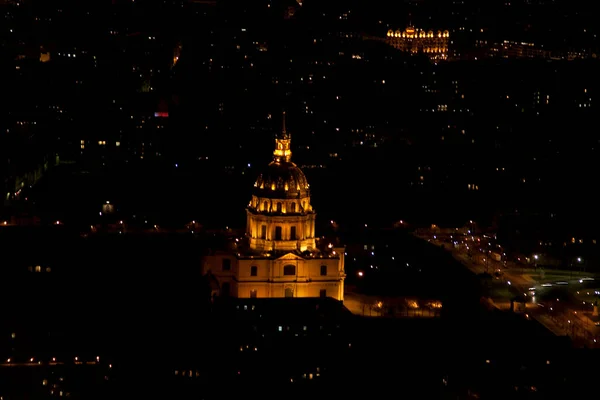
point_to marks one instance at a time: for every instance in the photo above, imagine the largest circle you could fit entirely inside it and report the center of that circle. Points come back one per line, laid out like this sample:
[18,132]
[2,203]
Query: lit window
[118,144]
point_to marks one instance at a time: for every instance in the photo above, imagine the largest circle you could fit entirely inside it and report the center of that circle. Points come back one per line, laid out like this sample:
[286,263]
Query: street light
[571,265]
[580,261]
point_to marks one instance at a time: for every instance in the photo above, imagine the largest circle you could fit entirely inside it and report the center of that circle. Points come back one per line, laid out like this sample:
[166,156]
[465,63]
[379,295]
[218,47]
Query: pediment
[290,256]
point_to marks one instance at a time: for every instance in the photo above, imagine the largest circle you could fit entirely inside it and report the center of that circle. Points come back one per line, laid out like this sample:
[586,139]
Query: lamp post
[535,257]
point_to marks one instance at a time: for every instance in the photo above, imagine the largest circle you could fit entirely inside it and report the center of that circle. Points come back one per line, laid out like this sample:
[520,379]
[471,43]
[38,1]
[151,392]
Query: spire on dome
[282,152]
[283,131]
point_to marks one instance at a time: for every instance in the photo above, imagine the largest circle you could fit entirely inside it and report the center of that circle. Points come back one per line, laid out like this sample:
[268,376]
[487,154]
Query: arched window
[266,206]
[279,207]
[293,207]
[289,270]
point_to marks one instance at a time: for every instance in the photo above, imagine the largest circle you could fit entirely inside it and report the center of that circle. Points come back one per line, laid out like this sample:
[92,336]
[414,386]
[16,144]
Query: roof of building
[239,248]
[282,180]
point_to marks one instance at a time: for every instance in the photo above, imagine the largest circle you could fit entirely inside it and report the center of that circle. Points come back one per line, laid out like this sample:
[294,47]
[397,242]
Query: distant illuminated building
[412,40]
[176,54]
[514,49]
[44,57]
[108,208]
[280,255]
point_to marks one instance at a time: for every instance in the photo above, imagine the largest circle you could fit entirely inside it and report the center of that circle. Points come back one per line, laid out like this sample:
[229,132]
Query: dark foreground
[139,304]
[239,351]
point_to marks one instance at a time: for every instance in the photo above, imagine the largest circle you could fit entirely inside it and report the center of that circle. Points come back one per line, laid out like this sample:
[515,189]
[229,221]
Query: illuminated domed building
[413,40]
[279,256]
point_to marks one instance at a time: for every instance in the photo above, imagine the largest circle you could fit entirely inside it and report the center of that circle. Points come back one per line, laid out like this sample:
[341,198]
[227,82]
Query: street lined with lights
[572,319]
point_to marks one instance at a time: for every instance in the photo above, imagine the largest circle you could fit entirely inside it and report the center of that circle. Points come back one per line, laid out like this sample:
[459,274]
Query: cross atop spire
[283,131]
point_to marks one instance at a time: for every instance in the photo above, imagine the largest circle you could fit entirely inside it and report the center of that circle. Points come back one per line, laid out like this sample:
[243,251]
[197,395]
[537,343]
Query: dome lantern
[282,150]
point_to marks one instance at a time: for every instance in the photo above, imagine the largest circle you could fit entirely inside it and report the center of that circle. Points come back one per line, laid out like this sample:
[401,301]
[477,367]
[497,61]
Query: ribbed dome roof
[281,180]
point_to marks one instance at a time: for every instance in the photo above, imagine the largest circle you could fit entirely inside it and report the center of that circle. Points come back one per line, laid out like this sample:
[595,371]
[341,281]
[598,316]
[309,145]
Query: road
[562,318]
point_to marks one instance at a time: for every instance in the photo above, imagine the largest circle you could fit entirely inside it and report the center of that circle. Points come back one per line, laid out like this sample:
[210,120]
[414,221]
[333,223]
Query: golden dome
[281,180]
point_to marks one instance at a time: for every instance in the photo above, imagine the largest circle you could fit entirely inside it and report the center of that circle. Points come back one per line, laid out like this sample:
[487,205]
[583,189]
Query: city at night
[215,199]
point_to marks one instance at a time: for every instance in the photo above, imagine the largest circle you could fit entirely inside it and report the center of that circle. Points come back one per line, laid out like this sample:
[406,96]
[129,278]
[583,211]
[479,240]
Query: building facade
[279,256]
[413,40]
